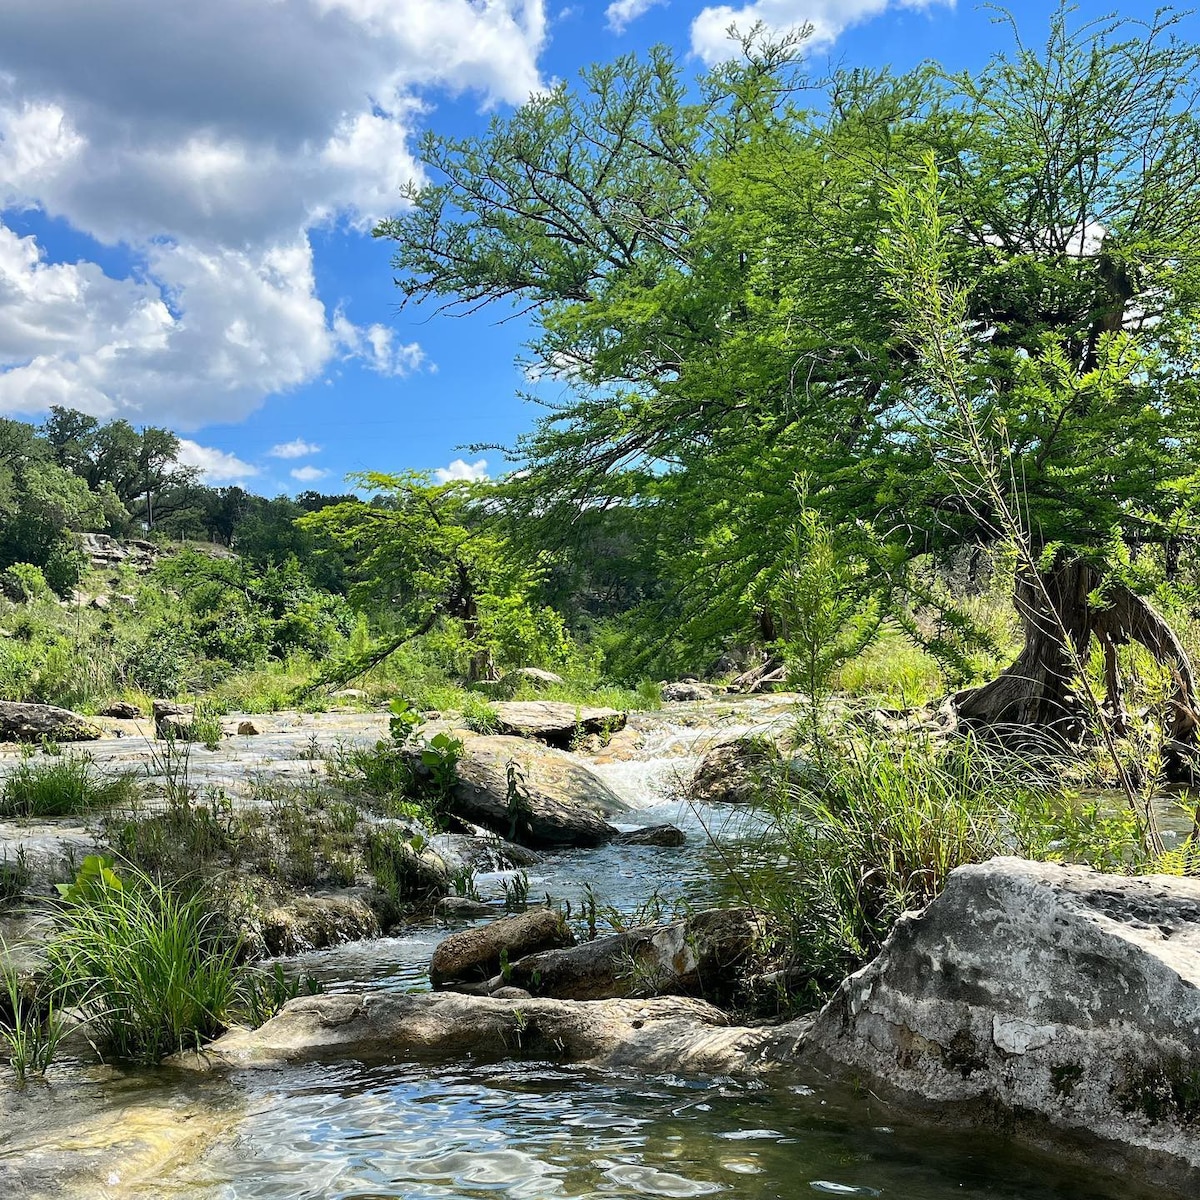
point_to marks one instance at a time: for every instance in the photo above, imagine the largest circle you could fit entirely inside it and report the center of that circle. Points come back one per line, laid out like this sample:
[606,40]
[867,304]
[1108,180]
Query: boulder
[685,690]
[484,851]
[173,720]
[533,677]
[703,955]
[531,794]
[653,835]
[1061,1002]
[734,772]
[247,729]
[122,710]
[474,955]
[462,908]
[553,723]
[304,923]
[675,1034]
[38,722]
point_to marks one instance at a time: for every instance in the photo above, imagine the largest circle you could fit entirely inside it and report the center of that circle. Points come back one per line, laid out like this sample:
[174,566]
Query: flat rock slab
[43,722]
[1064,999]
[675,1034]
[555,723]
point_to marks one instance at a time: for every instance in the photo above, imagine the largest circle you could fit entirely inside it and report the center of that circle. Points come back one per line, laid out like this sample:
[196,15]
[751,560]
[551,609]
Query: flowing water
[509,1131]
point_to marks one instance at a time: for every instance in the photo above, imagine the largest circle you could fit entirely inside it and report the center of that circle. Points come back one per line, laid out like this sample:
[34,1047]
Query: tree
[719,277]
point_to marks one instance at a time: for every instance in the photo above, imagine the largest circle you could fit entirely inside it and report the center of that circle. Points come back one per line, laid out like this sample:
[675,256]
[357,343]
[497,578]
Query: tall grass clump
[30,1029]
[877,831]
[62,787]
[153,970]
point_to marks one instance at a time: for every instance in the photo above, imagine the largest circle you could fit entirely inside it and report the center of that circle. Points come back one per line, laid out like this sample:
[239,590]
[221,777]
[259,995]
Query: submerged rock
[43,722]
[554,723]
[653,835]
[702,955]
[676,1034]
[532,794]
[1057,1001]
[475,955]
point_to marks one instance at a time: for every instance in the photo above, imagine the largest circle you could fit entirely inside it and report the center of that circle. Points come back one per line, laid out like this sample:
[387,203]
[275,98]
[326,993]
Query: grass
[29,1029]
[62,787]
[153,971]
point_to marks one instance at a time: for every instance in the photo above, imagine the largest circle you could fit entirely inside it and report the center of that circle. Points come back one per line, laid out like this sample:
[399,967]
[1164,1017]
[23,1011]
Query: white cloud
[215,465]
[308,474]
[828,19]
[622,13]
[208,140]
[462,470]
[296,448]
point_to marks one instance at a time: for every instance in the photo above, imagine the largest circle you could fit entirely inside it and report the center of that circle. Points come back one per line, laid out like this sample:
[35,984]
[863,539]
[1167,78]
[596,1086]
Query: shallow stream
[519,1131]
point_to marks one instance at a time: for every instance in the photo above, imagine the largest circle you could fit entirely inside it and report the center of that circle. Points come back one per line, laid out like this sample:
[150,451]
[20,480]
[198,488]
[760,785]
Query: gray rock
[463,908]
[734,772]
[35,722]
[485,851]
[475,955]
[554,723]
[653,835]
[703,955]
[122,710]
[173,720]
[1060,1001]
[531,676]
[676,1034]
[304,923]
[558,800]
[683,691]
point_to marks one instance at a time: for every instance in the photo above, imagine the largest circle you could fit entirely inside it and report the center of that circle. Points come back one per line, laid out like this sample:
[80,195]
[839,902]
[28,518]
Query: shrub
[24,582]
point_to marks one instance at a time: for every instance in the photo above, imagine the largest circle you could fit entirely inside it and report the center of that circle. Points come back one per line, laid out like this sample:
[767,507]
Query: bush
[24,582]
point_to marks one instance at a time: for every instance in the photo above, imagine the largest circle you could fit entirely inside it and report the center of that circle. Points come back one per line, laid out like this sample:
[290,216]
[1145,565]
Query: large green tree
[725,279]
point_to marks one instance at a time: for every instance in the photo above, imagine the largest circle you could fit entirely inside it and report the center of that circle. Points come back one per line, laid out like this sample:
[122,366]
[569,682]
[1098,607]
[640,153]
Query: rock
[653,835]
[683,691]
[558,799]
[463,908]
[247,729]
[703,955]
[349,694]
[38,722]
[473,955]
[173,720]
[676,1034]
[122,710]
[485,851]
[1061,1002]
[530,676]
[305,923]
[554,723]
[734,772]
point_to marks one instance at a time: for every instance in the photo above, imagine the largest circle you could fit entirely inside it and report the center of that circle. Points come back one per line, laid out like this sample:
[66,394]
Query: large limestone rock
[1054,1000]
[735,771]
[553,723]
[675,1034]
[37,722]
[475,955]
[702,955]
[553,800]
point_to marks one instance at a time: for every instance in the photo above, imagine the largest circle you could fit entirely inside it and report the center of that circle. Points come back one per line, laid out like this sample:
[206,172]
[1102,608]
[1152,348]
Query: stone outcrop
[686,690]
[475,955]
[173,720]
[652,835]
[303,923]
[734,771]
[38,722]
[532,794]
[122,710]
[1061,1002]
[703,955]
[675,1034]
[532,677]
[554,723]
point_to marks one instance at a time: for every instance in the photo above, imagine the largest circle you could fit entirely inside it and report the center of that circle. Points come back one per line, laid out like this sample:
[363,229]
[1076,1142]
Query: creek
[516,1130]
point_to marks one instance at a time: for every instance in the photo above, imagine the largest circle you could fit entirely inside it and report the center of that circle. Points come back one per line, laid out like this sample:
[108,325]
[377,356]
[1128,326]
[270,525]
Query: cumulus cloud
[308,474]
[459,469]
[827,19]
[209,140]
[622,13]
[296,448]
[216,466]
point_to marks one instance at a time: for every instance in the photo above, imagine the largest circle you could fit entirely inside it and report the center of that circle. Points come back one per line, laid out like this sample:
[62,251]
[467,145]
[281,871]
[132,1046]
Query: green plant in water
[264,993]
[30,1031]
[64,787]
[516,892]
[153,971]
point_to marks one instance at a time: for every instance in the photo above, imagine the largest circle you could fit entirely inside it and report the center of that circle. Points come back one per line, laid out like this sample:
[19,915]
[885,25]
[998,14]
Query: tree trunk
[1034,698]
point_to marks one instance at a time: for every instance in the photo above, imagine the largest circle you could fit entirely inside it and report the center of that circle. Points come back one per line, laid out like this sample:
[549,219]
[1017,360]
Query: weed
[516,892]
[14,875]
[264,993]
[64,787]
[29,1030]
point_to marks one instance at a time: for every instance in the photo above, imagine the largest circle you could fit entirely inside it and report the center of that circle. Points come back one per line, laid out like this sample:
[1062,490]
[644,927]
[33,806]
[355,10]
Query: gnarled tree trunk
[1035,697]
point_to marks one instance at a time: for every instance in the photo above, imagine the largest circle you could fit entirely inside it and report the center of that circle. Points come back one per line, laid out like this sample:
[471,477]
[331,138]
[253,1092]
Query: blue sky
[187,189]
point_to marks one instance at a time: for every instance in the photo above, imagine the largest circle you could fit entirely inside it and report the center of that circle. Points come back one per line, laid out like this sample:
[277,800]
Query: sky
[188,188]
